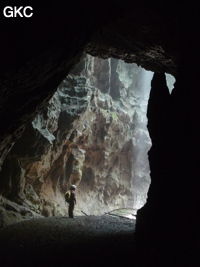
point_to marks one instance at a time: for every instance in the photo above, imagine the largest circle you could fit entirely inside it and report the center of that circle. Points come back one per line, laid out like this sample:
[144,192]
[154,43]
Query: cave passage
[93,133]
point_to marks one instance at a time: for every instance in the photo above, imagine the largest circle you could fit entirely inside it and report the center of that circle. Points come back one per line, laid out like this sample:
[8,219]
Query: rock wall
[167,226]
[92,134]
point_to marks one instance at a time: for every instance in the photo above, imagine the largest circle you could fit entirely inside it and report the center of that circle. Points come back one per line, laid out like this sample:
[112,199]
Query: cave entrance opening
[100,140]
[109,135]
[93,134]
[112,138]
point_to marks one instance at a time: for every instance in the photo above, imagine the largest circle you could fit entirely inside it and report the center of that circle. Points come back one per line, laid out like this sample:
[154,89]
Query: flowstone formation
[92,134]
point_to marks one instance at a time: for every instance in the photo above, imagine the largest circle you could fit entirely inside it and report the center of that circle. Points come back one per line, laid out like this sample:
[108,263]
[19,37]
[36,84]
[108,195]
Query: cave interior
[163,37]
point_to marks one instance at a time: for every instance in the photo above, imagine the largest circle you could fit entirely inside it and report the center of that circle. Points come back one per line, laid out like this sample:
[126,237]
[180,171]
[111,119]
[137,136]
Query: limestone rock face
[92,134]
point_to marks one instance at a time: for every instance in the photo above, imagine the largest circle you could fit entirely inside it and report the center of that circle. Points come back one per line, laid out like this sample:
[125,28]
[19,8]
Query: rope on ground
[117,215]
[84,213]
[121,216]
[123,209]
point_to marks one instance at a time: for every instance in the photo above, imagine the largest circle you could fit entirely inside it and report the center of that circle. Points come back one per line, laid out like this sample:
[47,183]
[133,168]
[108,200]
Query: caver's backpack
[67,196]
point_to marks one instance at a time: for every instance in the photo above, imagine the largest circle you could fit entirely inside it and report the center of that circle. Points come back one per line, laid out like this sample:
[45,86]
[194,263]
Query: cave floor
[61,241]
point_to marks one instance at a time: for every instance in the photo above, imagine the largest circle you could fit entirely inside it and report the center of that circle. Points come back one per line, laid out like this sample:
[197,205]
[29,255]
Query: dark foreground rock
[61,241]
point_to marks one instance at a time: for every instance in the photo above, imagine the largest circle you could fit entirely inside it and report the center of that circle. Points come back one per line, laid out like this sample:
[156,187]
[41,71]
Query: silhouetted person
[72,201]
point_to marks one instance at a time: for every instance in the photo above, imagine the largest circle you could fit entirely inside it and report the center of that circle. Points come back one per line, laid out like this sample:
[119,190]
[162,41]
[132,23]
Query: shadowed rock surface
[61,241]
[37,55]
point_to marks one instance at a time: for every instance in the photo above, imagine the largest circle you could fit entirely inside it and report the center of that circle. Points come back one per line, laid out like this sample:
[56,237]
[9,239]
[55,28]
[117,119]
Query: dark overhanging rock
[149,39]
[37,55]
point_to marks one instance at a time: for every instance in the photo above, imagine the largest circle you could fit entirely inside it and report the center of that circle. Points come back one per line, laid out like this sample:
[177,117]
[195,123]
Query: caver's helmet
[73,186]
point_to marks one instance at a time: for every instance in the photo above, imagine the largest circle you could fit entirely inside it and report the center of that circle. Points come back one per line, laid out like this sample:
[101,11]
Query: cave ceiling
[37,53]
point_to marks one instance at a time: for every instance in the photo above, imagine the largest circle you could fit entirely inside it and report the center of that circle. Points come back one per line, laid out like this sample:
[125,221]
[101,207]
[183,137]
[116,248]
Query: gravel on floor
[62,241]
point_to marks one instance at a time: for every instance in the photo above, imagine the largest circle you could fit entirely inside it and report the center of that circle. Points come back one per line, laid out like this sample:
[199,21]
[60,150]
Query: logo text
[13,12]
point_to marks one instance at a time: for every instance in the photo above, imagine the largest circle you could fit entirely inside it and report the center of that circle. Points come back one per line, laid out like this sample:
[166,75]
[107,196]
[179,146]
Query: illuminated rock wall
[92,134]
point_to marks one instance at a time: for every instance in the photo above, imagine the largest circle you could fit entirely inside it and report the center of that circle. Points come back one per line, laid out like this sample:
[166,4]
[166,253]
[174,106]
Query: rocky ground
[60,241]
